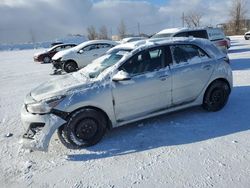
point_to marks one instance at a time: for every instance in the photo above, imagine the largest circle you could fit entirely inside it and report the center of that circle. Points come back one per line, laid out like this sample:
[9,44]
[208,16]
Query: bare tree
[122,29]
[193,19]
[238,15]
[103,32]
[92,34]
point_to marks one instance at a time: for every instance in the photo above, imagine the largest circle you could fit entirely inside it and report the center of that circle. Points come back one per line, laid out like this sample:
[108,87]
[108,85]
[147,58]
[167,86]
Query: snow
[190,148]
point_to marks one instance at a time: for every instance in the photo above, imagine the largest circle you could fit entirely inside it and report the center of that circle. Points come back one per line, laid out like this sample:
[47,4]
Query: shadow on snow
[184,127]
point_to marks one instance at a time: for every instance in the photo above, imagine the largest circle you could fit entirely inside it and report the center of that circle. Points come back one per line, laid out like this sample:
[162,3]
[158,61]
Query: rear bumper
[39,129]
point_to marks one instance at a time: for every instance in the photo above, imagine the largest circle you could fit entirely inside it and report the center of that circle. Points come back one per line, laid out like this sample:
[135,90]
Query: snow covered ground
[191,148]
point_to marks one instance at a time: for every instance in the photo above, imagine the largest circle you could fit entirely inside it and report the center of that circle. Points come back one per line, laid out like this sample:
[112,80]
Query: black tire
[46,59]
[62,137]
[70,66]
[85,128]
[216,96]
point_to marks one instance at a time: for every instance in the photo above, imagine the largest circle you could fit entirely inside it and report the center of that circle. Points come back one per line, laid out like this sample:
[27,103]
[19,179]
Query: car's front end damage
[40,122]
[57,64]
[39,129]
[39,115]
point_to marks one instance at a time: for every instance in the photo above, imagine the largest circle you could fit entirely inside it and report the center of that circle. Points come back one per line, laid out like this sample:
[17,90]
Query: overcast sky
[41,20]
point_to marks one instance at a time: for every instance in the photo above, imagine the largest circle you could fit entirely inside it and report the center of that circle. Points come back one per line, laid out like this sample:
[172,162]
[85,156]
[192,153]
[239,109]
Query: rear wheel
[70,66]
[85,128]
[216,96]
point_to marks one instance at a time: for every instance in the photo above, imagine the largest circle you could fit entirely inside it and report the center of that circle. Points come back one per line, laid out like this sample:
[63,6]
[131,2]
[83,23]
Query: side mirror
[121,76]
[80,51]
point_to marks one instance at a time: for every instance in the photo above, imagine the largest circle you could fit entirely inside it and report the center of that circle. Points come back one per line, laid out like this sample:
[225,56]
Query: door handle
[95,55]
[207,67]
[163,77]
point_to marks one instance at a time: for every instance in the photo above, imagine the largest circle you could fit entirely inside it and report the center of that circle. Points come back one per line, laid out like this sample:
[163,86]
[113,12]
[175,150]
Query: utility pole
[111,33]
[139,29]
[183,19]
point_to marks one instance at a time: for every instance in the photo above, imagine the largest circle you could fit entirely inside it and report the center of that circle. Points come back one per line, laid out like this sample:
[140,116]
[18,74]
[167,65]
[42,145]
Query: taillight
[222,43]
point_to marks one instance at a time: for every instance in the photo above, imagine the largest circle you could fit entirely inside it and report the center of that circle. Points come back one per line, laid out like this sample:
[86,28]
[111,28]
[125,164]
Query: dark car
[46,56]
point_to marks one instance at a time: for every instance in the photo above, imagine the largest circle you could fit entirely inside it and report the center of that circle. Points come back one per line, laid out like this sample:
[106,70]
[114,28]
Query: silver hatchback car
[131,82]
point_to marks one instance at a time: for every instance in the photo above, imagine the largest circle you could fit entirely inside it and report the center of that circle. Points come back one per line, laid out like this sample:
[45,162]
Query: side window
[59,48]
[198,34]
[89,47]
[182,34]
[143,62]
[187,53]
[67,47]
[106,46]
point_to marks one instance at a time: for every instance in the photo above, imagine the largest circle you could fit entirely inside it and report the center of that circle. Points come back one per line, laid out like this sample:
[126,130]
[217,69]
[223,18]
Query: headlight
[44,106]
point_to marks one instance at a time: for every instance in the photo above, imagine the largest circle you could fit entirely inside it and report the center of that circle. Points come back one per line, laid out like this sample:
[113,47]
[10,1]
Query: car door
[191,69]
[86,55]
[91,52]
[148,90]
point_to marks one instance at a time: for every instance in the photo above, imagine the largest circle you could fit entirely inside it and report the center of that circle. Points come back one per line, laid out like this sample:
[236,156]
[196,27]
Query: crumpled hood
[59,86]
[63,53]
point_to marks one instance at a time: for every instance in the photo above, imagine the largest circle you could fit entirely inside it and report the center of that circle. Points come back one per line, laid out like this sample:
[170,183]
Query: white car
[78,57]
[131,82]
[215,35]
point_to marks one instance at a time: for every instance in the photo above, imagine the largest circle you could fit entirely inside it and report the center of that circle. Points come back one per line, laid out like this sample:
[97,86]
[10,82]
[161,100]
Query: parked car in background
[132,39]
[247,35]
[46,56]
[78,57]
[131,82]
[215,35]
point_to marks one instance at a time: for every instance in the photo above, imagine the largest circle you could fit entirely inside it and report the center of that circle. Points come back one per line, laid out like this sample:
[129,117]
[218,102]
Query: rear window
[162,35]
[215,34]
[198,34]
[181,34]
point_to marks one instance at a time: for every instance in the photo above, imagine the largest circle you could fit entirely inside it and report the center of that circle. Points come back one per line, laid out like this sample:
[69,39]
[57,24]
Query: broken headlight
[45,106]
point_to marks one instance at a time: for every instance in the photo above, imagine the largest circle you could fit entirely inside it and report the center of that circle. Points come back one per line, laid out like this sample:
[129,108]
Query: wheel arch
[217,79]
[109,122]
[71,60]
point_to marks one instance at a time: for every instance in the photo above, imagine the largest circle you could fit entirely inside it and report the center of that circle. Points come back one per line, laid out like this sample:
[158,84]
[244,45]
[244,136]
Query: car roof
[64,44]
[137,46]
[86,43]
[159,41]
[172,30]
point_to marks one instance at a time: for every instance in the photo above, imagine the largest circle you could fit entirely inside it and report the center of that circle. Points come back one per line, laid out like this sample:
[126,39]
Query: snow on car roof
[158,41]
[172,30]
[95,42]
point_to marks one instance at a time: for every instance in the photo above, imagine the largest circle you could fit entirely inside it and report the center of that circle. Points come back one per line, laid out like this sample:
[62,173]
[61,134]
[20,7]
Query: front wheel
[216,96]
[70,66]
[85,128]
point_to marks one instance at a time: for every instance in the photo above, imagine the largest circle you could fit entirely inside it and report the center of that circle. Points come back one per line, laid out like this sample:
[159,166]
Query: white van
[216,35]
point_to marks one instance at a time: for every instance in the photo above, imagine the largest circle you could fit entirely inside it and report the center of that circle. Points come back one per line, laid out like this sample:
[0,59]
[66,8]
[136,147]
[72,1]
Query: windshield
[100,64]
[162,35]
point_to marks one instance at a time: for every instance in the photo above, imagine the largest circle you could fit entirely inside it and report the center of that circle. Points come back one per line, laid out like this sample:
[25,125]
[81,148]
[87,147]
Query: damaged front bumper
[39,129]
[57,64]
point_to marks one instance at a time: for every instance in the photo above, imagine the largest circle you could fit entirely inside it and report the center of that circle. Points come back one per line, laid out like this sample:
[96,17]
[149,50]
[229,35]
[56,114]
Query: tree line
[103,32]
[237,23]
